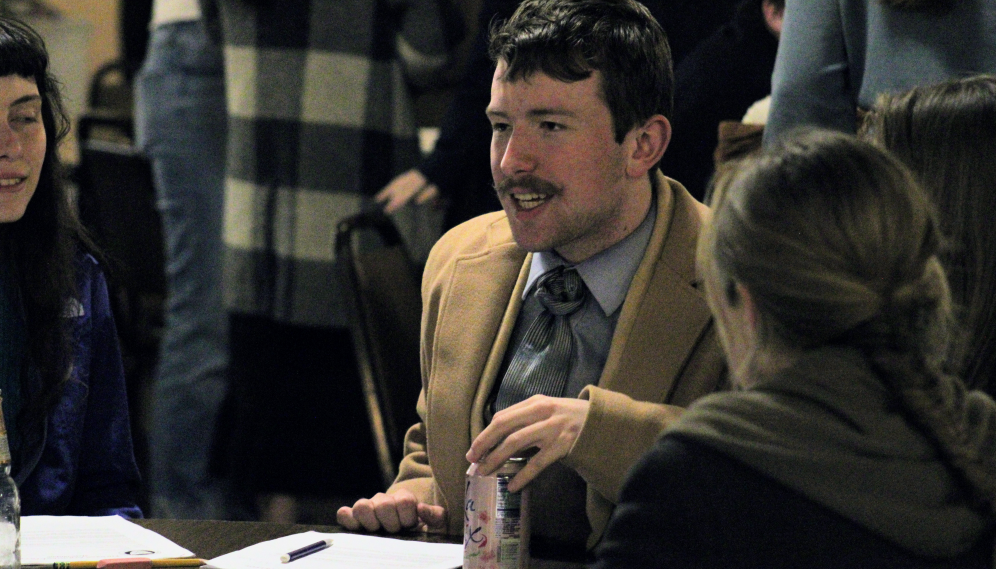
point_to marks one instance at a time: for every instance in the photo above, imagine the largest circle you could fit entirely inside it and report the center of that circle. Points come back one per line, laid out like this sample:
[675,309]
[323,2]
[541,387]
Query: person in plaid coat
[320,117]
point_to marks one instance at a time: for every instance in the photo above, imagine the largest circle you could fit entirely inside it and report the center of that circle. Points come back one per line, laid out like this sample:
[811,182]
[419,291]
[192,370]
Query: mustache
[527,182]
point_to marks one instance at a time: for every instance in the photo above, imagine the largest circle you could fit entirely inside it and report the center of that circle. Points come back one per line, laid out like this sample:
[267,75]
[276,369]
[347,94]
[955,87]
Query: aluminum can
[496,521]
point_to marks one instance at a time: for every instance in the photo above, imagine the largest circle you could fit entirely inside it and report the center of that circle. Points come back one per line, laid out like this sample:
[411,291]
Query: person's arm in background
[718,81]
[462,150]
[212,19]
[811,84]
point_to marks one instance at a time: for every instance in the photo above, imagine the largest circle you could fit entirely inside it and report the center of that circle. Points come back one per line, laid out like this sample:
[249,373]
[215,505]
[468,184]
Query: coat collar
[472,294]
[662,289]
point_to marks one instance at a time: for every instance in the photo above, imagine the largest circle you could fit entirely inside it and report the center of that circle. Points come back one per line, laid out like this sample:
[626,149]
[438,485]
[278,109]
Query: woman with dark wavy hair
[844,445]
[836,56]
[946,134]
[61,378]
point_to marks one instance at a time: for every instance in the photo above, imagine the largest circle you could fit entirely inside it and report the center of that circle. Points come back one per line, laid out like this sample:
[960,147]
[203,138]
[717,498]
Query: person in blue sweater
[836,56]
[61,375]
[843,445]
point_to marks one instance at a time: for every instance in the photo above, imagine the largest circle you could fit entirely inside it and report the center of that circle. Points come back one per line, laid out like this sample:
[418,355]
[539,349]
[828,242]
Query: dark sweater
[718,81]
[687,505]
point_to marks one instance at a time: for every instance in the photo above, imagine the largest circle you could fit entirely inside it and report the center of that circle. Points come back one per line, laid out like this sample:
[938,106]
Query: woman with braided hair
[844,444]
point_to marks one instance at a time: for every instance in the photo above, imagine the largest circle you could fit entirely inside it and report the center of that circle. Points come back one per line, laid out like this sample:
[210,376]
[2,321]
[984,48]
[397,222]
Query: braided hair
[838,244]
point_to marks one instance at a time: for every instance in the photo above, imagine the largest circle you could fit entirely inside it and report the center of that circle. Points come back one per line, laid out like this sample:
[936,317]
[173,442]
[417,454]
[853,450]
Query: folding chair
[384,290]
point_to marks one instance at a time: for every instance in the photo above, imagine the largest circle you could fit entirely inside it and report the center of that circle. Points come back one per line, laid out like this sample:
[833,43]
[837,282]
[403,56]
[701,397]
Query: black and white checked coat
[320,118]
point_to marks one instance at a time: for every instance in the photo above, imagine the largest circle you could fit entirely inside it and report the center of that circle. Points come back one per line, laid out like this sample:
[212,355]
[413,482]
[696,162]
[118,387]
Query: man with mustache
[579,101]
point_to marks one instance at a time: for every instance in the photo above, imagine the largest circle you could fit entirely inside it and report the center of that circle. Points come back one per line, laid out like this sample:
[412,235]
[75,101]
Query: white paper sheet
[47,539]
[348,551]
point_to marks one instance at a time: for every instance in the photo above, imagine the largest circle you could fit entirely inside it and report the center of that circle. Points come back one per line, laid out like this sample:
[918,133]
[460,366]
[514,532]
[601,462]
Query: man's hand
[405,187]
[392,513]
[551,424]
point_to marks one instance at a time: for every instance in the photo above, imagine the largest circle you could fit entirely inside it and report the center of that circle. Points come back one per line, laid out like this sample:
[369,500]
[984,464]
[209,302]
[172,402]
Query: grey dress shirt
[558,519]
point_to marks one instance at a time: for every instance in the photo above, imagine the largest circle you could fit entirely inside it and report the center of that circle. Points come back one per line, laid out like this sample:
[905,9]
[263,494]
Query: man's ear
[649,142]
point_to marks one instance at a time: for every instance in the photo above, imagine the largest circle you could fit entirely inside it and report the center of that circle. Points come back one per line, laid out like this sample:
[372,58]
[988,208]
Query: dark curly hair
[570,39]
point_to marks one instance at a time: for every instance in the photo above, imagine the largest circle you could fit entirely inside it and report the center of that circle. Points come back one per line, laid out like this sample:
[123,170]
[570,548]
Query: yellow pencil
[130,563]
[179,562]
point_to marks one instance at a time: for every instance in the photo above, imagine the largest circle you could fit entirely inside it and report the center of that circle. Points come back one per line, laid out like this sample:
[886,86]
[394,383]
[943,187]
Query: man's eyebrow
[539,113]
[26,99]
[535,113]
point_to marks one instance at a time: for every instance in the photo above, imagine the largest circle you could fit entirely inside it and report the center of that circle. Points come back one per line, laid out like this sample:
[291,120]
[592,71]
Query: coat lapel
[500,345]
[664,315]
[471,336]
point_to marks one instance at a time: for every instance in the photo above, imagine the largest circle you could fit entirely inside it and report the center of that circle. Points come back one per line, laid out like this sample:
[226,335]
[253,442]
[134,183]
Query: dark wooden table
[210,538]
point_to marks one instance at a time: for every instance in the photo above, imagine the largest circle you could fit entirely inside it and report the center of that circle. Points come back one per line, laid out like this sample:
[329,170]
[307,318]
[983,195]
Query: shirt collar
[606,274]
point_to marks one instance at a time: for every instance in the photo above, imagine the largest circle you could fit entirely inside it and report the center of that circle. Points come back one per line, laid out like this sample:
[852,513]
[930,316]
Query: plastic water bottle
[10,507]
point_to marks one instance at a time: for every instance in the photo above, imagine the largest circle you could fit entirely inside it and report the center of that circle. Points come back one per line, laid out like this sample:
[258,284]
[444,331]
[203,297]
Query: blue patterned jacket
[81,460]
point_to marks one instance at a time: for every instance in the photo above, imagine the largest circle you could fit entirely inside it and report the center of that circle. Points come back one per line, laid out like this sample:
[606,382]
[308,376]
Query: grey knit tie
[543,360]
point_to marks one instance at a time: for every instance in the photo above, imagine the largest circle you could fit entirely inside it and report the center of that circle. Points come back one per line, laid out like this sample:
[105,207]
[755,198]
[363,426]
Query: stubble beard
[568,230]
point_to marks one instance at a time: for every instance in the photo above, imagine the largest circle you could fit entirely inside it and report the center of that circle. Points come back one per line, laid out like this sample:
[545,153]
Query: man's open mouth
[529,201]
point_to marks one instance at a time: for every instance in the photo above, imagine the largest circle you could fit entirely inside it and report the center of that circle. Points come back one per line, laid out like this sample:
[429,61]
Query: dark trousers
[296,418]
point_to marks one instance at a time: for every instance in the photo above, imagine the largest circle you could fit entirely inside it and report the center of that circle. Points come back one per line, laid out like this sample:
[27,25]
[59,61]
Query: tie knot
[561,291]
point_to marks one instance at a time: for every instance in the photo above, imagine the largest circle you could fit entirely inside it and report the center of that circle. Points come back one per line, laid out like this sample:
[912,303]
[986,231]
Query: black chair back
[117,205]
[385,295]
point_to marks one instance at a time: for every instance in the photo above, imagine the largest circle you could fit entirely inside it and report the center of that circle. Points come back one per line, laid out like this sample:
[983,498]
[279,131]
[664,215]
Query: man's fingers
[520,440]
[406,508]
[363,513]
[504,423]
[481,445]
[345,518]
[390,512]
[434,517]
[387,515]
[536,464]
[427,194]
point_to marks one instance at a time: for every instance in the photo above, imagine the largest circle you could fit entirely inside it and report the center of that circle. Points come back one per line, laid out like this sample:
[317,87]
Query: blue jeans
[181,126]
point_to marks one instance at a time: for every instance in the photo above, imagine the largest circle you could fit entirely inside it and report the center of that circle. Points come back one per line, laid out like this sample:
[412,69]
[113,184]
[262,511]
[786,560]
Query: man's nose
[518,157]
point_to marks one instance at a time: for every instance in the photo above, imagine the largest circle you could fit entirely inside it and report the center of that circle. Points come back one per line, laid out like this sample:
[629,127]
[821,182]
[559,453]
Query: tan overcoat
[664,354]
